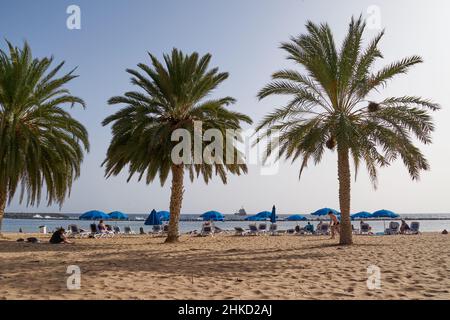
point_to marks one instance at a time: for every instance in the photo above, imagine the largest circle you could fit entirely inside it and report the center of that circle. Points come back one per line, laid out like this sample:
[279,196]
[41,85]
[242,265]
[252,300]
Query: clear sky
[243,37]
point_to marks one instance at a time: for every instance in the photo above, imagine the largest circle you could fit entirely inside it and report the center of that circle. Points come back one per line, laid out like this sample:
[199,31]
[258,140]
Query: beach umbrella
[385,214]
[153,219]
[94,215]
[362,215]
[273,216]
[212,216]
[117,215]
[296,217]
[325,211]
[164,215]
[261,216]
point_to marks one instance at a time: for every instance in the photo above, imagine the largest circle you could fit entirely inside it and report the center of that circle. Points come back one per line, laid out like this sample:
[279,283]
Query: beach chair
[95,233]
[128,230]
[393,228]
[323,230]
[253,229]
[117,230]
[165,228]
[239,231]
[110,231]
[207,230]
[414,229]
[262,228]
[156,229]
[74,231]
[273,229]
[365,228]
[218,230]
[141,231]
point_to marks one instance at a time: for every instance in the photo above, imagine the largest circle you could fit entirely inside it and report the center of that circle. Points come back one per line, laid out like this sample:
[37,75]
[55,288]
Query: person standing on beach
[334,224]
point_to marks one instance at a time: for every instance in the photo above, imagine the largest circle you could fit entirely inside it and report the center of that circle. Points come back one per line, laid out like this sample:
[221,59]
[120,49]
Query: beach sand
[228,267]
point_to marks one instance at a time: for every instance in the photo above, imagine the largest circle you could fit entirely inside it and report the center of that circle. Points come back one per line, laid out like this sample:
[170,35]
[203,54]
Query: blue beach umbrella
[164,215]
[325,211]
[261,216]
[385,214]
[362,215]
[94,215]
[153,219]
[296,217]
[117,215]
[273,216]
[212,216]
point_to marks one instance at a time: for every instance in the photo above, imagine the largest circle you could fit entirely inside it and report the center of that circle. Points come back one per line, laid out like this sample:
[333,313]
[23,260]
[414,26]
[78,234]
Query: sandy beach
[228,267]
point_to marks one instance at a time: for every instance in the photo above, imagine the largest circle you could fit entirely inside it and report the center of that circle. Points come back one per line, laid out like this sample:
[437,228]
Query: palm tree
[328,108]
[40,143]
[174,96]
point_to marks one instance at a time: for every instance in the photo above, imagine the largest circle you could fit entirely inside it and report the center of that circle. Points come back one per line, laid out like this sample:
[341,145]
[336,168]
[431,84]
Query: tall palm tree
[40,143]
[328,108]
[174,96]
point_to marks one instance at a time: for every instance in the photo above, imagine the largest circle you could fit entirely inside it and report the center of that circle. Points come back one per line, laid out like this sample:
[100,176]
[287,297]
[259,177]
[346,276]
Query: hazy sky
[244,38]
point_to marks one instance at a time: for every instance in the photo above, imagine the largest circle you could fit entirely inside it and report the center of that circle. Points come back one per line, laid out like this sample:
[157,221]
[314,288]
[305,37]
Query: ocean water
[32,225]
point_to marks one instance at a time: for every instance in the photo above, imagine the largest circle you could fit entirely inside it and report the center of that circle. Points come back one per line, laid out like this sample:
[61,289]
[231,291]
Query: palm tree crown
[40,143]
[328,106]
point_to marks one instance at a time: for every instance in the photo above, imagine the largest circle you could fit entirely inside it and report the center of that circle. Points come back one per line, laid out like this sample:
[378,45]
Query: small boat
[47,217]
[37,216]
[241,212]
[139,219]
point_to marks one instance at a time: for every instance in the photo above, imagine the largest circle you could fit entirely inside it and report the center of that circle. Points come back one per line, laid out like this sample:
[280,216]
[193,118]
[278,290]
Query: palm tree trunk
[176,199]
[2,209]
[345,235]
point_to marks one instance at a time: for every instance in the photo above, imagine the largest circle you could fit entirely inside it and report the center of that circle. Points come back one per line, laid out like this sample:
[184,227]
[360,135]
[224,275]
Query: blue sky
[243,37]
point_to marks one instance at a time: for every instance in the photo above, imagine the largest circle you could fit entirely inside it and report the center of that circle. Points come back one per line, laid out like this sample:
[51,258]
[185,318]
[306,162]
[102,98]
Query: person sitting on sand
[59,237]
[334,224]
[404,227]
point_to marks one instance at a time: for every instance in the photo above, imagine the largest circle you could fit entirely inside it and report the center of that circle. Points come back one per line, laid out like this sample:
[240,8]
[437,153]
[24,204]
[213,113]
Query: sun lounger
[414,229]
[273,229]
[117,230]
[74,231]
[218,230]
[156,230]
[95,232]
[207,230]
[262,228]
[240,231]
[393,228]
[324,229]
[365,228]
[128,230]
[253,229]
